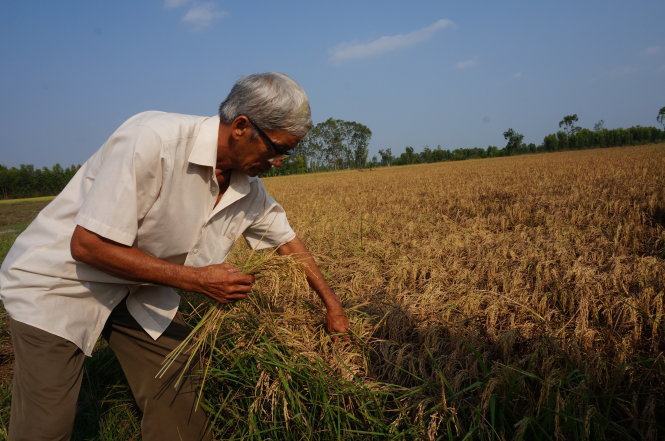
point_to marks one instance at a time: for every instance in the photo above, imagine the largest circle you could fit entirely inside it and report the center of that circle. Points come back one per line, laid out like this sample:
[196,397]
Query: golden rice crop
[508,298]
[203,336]
[526,293]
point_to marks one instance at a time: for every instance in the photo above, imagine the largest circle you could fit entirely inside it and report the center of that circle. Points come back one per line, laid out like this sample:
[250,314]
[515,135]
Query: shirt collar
[204,151]
[239,187]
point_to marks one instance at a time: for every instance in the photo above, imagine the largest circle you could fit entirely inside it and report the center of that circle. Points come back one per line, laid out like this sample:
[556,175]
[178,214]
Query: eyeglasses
[277,149]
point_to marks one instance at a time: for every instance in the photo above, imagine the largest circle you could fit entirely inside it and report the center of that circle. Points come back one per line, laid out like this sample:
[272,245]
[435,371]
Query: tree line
[337,144]
[27,181]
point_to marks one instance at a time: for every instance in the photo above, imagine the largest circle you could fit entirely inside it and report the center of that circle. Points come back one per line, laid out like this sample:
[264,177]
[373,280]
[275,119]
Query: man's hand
[336,321]
[223,282]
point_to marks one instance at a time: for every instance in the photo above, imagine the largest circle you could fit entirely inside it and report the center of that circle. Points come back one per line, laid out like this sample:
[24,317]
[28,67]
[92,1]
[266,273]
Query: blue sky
[416,73]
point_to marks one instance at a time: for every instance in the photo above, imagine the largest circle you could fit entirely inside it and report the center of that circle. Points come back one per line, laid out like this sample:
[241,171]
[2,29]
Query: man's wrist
[185,278]
[334,307]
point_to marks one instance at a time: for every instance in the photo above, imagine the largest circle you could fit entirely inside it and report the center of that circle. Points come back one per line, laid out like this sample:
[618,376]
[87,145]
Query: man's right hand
[223,282]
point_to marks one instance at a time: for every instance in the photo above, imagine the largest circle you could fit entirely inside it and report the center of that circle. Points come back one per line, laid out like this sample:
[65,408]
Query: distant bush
[310,156]
[585,138]
[572,139]
[28,181]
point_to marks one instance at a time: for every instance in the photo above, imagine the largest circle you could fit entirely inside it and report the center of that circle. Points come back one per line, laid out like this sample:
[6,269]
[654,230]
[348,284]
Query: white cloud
[202,15]
[653,50]
[387,43]
[517,75]
[170,4]
[466,64]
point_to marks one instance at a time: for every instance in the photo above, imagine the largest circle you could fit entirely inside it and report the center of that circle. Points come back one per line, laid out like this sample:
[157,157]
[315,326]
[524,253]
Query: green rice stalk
[278,278]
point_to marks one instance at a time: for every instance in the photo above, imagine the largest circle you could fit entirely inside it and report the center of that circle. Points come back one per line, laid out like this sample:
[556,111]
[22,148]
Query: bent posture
[158,207]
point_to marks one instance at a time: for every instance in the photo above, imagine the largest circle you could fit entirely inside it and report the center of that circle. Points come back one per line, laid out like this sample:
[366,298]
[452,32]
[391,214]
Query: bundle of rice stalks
[281,312]
[201,340]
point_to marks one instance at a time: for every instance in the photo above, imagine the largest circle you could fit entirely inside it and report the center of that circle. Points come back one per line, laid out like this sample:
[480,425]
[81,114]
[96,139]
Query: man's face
[253,153]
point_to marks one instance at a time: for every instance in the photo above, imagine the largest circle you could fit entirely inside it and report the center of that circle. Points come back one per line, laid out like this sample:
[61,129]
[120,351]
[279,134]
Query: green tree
[600,125]
[28,181]
[551,142]
[409,156]
[335,143]
[386,155]
[493,151]
[514,140]
[661,117]
[568,124]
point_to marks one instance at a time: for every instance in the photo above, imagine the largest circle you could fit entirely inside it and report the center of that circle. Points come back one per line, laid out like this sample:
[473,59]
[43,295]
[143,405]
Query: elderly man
[157,207]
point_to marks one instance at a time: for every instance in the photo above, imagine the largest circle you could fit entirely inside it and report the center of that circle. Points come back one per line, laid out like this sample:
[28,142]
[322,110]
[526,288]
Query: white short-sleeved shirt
[152,184]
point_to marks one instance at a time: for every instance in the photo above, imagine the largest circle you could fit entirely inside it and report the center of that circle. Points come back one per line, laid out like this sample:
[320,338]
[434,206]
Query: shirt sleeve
[125,185]
[271,228]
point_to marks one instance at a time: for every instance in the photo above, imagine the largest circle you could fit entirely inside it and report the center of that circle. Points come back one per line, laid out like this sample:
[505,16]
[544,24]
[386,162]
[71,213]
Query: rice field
[507,298]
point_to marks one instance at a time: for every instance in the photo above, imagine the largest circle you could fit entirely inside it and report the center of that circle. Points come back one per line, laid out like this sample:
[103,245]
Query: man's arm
[336,320]
[222,282]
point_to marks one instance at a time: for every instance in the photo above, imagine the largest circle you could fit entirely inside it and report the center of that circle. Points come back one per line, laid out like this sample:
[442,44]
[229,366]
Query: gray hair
[272,100]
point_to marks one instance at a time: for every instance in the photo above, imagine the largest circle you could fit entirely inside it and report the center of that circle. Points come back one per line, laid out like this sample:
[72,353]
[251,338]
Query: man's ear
[240,126]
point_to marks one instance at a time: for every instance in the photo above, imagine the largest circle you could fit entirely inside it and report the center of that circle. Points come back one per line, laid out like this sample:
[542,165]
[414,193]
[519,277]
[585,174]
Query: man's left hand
[337,322]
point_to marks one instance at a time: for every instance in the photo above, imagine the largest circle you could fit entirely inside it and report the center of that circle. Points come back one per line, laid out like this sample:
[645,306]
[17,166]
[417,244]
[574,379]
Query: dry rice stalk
[201,340]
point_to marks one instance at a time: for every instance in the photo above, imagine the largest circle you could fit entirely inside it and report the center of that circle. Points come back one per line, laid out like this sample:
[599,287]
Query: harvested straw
[201,340]
[280,307]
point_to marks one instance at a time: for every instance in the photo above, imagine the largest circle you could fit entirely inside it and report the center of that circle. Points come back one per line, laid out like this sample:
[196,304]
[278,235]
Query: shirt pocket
[231,228]
[214,252]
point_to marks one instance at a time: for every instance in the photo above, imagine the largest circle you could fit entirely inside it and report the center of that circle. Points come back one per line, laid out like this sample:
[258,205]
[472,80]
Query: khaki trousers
[48,371]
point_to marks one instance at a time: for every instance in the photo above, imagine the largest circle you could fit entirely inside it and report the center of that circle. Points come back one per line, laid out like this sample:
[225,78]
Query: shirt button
[195,251]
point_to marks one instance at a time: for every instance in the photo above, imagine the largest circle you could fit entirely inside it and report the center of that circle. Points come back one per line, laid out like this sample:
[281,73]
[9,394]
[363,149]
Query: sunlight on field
[501,298]
[30,200]
[516,292]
